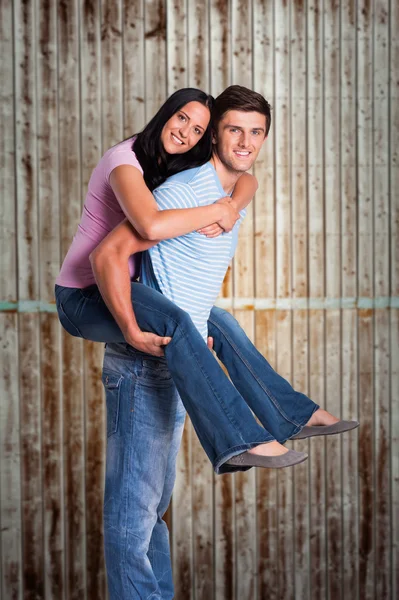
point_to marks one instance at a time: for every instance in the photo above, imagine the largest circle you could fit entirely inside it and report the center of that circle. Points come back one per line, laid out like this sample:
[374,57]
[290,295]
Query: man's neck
[227,177]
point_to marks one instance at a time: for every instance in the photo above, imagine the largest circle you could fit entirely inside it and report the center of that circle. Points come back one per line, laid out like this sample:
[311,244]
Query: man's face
[239,138]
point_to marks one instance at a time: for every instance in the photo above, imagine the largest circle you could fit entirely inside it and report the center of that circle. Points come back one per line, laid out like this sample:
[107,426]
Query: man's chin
[242,167]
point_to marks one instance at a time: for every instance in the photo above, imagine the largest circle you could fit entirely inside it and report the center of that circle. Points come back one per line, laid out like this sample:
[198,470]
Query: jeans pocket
[90,292]
[66,322]
[155,373]
[112,384]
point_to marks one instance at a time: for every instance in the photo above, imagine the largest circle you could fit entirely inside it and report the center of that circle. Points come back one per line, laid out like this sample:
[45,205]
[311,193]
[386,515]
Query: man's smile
[242,153]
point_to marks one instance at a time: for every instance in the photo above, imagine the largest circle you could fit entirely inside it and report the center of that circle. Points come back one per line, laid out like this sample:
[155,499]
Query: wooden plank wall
[315,283]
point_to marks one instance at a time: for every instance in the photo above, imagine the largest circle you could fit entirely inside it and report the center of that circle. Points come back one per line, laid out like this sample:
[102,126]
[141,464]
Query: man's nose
[244,139]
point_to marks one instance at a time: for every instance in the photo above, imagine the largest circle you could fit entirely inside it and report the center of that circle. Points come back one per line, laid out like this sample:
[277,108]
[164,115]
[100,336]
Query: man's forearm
[113,279]
[244,191]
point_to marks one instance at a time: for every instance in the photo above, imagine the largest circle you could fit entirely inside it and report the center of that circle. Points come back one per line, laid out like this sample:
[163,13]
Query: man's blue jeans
[145,420]
[220,415]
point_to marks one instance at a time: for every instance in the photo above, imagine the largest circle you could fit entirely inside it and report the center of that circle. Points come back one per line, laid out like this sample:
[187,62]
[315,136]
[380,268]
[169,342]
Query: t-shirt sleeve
[175,195]
[120,156]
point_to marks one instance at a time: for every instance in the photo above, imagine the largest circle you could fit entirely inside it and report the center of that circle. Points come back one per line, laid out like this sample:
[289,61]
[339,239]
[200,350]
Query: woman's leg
[222,420]
[280,408]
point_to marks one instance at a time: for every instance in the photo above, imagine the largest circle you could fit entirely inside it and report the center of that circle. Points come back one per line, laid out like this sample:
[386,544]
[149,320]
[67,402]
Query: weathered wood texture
[315,283]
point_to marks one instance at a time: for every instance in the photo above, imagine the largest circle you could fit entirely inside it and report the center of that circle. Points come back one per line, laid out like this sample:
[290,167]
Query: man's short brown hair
[238,97]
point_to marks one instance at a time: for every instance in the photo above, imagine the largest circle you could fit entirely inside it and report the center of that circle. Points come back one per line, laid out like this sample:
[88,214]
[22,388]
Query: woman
[178,137]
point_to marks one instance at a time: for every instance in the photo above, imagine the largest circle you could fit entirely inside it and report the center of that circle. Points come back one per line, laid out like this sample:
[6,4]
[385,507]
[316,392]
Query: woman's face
[185,128]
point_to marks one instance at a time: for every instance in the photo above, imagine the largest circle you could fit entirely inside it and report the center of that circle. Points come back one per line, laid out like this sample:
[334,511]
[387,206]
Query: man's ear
[214,138]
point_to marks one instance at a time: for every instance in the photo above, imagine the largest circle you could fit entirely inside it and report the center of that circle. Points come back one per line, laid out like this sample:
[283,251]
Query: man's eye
[256,132]
[233,130]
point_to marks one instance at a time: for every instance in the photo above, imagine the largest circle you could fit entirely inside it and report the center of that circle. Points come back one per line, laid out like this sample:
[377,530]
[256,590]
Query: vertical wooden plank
[91,44]
[198,45]
[133,66]
[31,459]
[265,320]
[366,454]
[50,334]
[283,279]
[220,45]
[220,78]
[54,552]
[94,469]
[243,287]
[333,290]
[111,72]
[11,585]
[176,45]
[72,357]
[28,289]
[285,490]
[266,480]
[350,538]
[202,480]
[394,288]
[155,55]
[8,250]
[381,289]
[299,285]
[394,437]
[316,250]
[10,484]
[26,130]
[365,289]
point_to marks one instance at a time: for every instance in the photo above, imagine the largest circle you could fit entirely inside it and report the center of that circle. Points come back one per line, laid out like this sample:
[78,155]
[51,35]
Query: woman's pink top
[101,214]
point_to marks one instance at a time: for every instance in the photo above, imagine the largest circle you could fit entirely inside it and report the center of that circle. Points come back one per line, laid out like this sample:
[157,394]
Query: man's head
[241,120]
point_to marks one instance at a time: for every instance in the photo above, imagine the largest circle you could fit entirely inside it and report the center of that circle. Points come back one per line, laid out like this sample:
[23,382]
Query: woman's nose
[183,130]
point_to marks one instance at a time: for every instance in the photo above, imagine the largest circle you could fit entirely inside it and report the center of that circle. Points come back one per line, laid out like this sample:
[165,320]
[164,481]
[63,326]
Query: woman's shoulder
[120,154]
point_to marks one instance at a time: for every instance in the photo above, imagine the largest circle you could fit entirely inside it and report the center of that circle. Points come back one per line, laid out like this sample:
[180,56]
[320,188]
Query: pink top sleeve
[101,213]
[120,155]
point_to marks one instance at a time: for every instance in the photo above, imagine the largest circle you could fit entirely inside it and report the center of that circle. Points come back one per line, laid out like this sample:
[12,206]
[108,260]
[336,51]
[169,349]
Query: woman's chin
[171,149]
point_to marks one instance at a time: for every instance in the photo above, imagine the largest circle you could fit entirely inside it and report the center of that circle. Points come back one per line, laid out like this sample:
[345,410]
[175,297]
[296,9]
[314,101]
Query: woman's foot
[269,449]
[287,458]
[323,423]
[322,417]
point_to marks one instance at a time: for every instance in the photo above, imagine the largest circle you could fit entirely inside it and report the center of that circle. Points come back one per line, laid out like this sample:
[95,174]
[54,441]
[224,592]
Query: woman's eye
[182,117]
[197,131]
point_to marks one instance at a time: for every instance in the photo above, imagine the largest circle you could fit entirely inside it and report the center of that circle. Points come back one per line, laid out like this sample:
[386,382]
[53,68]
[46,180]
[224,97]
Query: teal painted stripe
[40,306]
[309,303]
[28,306]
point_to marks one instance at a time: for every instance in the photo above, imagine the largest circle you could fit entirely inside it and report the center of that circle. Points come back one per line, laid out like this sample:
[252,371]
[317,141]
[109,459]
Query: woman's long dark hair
[158,164]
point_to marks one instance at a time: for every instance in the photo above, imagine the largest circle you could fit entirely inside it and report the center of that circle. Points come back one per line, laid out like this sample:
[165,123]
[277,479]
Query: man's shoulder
[189,176]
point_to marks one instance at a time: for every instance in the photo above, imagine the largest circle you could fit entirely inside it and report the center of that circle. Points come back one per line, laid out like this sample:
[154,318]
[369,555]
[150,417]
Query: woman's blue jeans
[220,411]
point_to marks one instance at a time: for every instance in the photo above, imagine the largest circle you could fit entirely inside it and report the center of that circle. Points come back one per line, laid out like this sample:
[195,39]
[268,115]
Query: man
[150,426]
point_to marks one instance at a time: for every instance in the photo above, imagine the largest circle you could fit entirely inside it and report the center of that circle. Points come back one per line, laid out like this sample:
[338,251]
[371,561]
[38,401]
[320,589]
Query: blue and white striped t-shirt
[190,269]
